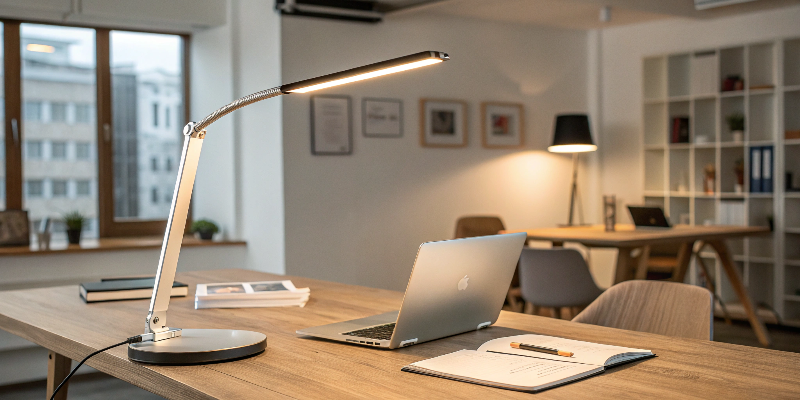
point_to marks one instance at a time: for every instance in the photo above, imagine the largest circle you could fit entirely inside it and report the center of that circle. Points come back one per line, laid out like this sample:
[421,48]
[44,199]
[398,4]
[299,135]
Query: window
[58,112]
[83,188]
[166,117]
[32,111]
[59,188]
[154,195]
[83,113]
[83,150]
[155,115]
[58,150]
[33,149]
[154,164]
[34,188]
[168,165]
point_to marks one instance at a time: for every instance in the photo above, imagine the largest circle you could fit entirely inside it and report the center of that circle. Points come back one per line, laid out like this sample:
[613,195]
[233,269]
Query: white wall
[621,69]
[360,218]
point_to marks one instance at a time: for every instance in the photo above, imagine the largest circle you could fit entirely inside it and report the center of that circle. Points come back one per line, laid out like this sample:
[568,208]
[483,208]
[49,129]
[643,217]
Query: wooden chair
[664,308]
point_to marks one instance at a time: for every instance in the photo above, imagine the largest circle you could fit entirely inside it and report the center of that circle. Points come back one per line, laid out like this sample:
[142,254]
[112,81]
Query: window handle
[107,132]
[15,131]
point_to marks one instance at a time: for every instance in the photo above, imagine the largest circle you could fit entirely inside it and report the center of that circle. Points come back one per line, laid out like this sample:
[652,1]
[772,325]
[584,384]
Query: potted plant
[205,228]
[736,125]
[74,221]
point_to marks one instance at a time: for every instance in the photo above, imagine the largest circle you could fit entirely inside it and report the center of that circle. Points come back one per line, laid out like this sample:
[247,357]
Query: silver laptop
[455,286]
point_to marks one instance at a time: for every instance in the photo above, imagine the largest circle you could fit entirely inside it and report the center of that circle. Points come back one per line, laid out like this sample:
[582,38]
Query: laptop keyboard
[380,332]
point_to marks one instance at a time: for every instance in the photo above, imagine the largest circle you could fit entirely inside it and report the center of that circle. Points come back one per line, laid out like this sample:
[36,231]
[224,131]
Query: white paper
[585,352]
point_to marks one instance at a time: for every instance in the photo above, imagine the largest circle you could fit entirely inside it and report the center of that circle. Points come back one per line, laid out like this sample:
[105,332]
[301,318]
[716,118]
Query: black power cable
[133,339]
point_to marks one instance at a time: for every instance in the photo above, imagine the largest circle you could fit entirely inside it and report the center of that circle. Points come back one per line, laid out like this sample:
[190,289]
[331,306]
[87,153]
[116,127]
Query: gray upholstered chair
[556,278]
[665,308]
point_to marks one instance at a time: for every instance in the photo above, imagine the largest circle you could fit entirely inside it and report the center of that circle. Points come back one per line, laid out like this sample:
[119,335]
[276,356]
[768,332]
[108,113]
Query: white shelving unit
[689,85]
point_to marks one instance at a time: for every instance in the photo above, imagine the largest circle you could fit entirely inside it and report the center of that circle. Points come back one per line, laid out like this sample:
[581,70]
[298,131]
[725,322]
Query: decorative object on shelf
[683,184]
[610,212]
[444,123]
[771,222]
[330,125]
[790,182]
[701,139]
[382,118]
[205,229]
[762,87]
[709,179]
[680,130]
[572,135]
[736,126]
[732,83]
[14,228]
[74,221]
[43,235]
[502,125]
[794,134]
[738,169]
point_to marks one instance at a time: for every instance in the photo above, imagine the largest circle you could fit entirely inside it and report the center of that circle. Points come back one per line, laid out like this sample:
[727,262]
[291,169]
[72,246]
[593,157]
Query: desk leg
[58,368]
[684,256]
[641,265]
[736,281]
[624,265]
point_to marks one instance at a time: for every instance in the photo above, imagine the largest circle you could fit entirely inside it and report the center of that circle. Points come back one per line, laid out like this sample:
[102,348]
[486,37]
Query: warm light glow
[572,148]
[368,75]
[40,48]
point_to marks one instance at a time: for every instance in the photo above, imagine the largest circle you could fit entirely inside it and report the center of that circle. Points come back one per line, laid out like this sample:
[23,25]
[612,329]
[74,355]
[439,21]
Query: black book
[126,289]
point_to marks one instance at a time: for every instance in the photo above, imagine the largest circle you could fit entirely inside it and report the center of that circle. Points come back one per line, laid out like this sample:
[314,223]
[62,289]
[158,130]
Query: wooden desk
[626,239]
[296,367]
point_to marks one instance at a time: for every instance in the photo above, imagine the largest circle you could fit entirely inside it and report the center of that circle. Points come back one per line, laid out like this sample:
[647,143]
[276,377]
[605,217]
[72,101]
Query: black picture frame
[365,126]
[329,147]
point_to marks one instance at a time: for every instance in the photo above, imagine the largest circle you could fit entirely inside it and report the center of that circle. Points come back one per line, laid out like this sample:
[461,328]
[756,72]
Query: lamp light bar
[572,148]
[40,48]
[366,72]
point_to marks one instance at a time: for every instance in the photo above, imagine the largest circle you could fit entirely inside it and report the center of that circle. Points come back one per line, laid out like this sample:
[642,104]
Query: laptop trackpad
[352,325]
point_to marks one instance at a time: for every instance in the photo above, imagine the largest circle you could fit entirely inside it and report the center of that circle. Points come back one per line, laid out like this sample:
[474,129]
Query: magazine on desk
[497,364]
[250,294]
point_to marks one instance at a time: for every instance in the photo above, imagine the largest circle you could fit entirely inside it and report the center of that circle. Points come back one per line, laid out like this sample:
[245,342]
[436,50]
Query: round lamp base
[199,346]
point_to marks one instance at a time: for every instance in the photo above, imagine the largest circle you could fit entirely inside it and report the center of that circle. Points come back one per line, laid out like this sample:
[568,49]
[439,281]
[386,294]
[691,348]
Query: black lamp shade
[572,134]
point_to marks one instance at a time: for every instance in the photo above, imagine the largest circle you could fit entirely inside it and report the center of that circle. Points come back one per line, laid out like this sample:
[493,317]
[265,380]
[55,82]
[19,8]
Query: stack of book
[250,294]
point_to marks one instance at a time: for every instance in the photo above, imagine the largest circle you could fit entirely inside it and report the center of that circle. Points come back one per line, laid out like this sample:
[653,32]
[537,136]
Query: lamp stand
[574,193]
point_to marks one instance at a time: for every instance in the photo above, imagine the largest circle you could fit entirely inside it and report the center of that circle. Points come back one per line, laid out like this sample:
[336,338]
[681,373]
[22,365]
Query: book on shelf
[125,289]
[766,169]
[680,130]
[755,170]
[250,294]
[497,364]
[731,212]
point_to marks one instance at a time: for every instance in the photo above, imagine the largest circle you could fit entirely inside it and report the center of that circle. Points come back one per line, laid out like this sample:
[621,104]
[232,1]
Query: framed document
[444,123]
[382,117]
[331,133]
[14,228]
[502,125]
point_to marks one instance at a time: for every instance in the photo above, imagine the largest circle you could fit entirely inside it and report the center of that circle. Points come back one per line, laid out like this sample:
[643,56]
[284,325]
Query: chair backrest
[556,278]
[478,226]
[665,308]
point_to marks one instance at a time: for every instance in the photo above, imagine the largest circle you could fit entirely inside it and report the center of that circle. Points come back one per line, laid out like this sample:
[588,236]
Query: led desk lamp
[164,345]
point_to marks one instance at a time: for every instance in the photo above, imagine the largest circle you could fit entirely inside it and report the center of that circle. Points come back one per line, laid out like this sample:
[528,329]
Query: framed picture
[382,117]
[443,123]
[502,125]
[331,133]
[14,228]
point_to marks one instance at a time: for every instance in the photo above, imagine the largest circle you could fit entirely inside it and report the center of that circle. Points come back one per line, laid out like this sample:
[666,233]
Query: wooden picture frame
[14,228]
[502,125]
[443,123]
[331,125]
[382,118]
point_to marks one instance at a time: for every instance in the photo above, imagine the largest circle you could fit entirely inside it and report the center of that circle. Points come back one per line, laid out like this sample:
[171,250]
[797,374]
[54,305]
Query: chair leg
[556,312]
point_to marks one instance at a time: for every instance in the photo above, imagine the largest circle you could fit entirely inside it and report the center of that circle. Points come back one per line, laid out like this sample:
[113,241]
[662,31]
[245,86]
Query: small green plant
[204,226]
[735,122]
[74,220]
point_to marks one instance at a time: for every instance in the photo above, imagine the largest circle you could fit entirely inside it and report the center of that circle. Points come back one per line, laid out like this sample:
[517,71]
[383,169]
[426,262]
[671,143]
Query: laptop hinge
[408,342]
[484,325]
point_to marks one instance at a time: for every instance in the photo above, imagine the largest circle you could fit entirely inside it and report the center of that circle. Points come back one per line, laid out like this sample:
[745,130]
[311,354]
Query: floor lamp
[572,135]
[164,345]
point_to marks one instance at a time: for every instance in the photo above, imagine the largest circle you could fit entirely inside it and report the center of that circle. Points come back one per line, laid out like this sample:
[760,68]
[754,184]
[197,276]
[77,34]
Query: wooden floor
[98,386]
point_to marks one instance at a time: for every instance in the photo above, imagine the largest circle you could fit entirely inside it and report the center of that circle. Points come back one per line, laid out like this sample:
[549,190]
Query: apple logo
[463,283]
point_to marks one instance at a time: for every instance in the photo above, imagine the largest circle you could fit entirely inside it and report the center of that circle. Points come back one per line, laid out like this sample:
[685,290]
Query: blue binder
[755,170]
[767,170]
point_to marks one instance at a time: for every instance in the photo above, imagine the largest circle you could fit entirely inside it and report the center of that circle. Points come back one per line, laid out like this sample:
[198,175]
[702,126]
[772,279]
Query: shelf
[791,142]
[707,96]
[654,193]
[654,147]
[761,260]
[793,231]
[708,145]
[733,93]
[680,99]
[760,92]
[110,244]
[680,194]
[758,143]
[791,297]
[730,195]
[732,144]
[680,146]
[792,195]
[792,88]
[793,263]
[760,195]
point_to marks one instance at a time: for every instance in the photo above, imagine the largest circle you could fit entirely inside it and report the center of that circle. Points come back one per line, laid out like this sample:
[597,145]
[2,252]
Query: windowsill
[111,244]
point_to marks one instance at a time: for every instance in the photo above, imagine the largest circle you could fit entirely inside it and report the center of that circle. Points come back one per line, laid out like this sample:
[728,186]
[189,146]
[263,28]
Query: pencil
[530,347]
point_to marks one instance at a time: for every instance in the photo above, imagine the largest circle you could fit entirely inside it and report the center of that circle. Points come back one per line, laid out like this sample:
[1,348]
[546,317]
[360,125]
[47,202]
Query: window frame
[109,226]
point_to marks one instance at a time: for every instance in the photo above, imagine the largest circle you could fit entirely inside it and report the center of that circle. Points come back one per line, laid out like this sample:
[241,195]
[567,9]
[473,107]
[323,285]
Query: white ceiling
[584,14]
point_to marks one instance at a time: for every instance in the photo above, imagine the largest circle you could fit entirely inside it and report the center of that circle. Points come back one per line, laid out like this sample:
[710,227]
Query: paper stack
[250,294]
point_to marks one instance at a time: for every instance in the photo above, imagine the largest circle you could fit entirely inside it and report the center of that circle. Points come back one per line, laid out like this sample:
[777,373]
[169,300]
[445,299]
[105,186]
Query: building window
[168,164]
[33,149]
[59,188]
[58,150]
[166,117]
[154,195]
[83,150]
[83,188]
[83,113]
[32,111]
[168,197]
[34,188]
[155,115]
[154,164]
[58,112]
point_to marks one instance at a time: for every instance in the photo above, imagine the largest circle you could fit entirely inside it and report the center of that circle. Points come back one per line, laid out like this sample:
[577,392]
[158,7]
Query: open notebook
[497,364]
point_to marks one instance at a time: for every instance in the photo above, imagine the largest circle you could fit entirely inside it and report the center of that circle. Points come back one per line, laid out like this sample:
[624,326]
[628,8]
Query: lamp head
[572,135]
[387,67]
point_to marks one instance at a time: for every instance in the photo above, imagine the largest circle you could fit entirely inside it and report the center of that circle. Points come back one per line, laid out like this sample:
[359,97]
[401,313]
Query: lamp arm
[194,133]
